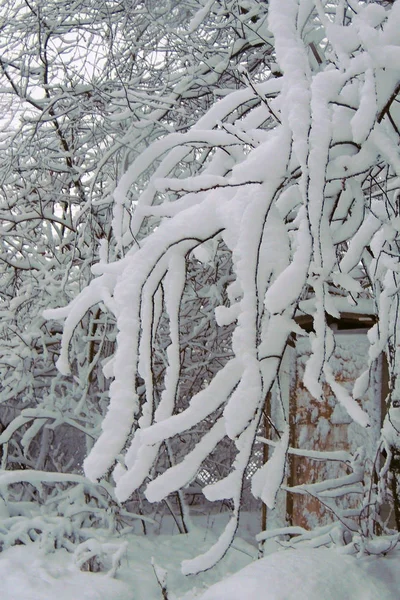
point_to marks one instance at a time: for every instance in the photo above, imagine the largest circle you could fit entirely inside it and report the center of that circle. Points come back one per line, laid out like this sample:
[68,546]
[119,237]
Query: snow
[27,573]
[210,557]
[355,411]
[98,291]
[288,285]
[183,473]
[292,58]
[281,199]
[311,574]
[363,120]
[202,404]
[358,243]
[199,16]
[173,288]
[267,480]
[139,280]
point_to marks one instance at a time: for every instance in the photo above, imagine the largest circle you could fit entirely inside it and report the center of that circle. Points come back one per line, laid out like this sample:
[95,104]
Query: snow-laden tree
[50,148]
[295,173]
[292,174]
[60,91]
[85,89]
[48,158]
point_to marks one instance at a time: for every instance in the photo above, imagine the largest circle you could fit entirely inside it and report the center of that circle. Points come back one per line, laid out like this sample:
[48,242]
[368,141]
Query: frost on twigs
[282,201]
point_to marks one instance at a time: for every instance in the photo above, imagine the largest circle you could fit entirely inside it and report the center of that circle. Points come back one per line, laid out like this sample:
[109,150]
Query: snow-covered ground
[312,574]
[27,573]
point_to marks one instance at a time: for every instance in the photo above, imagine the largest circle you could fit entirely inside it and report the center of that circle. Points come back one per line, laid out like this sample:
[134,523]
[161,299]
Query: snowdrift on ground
[312,574]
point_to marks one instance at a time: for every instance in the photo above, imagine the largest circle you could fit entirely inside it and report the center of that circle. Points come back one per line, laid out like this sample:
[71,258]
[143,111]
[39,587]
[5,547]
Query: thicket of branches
[181,178]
